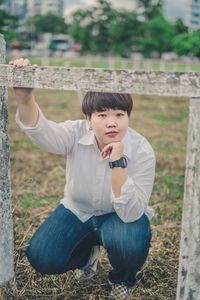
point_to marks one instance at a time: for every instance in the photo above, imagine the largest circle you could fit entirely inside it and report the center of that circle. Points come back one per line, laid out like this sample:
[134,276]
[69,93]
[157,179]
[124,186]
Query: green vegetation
[100,64]
[47,23]
[102,29]
[7,24]
[35,60]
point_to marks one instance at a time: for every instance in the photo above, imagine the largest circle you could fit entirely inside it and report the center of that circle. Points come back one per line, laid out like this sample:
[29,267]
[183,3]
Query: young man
[109,179]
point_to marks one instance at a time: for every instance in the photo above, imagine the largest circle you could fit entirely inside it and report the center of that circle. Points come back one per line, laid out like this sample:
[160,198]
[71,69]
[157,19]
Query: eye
[102,115]
[120,114]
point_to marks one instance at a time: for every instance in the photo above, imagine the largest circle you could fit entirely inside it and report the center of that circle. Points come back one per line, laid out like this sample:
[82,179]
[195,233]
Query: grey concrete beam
[6,223]
[189,261]
[108,80]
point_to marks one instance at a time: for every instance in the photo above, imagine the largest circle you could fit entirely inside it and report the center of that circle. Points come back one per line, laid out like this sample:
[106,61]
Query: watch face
[123,162]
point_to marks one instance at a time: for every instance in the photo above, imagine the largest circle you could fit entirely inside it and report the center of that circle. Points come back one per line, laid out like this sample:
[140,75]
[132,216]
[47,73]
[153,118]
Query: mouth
[112,133]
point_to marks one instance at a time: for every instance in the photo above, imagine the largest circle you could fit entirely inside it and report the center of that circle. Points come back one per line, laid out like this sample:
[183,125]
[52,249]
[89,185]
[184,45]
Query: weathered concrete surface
[107,80]
[6,223]
[189,261]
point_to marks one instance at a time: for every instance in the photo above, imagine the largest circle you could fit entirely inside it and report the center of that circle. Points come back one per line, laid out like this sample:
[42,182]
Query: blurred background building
[27,8]
[45,6]
[193,14]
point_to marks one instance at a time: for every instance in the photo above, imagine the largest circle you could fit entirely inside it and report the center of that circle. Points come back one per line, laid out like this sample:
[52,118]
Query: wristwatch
[122,162]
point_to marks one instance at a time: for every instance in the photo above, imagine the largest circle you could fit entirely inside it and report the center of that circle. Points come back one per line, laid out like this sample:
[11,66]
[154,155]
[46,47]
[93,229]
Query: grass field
[38,180]
[81,62]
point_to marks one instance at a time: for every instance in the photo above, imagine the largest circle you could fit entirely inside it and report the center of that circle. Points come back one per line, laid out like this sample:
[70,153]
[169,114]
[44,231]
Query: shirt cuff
[41,118]
[127,188]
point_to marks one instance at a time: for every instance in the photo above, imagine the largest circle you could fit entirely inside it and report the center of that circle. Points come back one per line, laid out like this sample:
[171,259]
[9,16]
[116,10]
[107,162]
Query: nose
[111,122]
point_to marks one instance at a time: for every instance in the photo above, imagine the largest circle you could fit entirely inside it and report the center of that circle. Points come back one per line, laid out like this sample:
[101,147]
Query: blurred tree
[8,23]
[150,8]
[187,43]
[47,23]
[157,36]
[182,44]
[103,16]
[81,29]
[180,27]
[91,27]
[124,32]
[195,43]
[104,29]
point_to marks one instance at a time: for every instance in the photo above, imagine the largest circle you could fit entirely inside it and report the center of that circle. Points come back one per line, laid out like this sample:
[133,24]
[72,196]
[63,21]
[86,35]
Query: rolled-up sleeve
[137,189]
[50,136]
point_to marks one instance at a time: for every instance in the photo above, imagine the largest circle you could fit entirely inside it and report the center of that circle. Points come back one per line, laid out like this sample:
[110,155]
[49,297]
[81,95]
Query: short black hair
[97,102]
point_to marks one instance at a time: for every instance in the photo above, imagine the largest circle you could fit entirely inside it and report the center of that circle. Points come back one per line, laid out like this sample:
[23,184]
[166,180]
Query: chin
[113,140]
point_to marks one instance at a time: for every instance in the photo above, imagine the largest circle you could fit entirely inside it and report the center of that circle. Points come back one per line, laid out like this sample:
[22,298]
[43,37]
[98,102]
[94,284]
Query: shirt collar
[89,139]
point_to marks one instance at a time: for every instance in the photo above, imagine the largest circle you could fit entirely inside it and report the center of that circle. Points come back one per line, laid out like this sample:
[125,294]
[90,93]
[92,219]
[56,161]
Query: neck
[100,147]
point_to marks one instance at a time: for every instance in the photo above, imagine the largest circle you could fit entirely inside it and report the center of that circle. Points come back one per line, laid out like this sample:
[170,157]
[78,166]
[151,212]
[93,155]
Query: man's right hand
[23,95]
[28,110]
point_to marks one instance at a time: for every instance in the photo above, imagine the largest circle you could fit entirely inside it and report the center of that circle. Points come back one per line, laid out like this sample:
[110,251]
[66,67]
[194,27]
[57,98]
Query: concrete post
[189,261]
[6,223]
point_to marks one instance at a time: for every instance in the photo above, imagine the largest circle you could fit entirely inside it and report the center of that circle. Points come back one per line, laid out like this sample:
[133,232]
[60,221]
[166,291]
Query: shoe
[119,291]
[91,268]
[82,275]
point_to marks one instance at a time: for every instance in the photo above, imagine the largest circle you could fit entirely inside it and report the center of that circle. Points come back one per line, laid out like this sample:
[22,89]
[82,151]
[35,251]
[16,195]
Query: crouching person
[109,179]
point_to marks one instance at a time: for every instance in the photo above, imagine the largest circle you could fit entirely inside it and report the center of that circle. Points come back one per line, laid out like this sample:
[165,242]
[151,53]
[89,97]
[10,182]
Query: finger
[103,151]
[107,147]
[26,62]
[11,62]
[106,152]
[16,63]
[20,62]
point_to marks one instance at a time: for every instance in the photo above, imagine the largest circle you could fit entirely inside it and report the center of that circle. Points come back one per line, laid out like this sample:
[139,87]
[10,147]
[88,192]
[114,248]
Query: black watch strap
[122,162]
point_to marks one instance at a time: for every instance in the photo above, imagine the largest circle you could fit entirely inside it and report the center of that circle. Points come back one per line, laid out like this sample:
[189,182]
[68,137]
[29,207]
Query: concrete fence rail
[163,83]
[111,80]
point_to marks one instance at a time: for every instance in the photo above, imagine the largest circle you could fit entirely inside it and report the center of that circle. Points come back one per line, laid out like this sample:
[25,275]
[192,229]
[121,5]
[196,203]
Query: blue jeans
[64,243]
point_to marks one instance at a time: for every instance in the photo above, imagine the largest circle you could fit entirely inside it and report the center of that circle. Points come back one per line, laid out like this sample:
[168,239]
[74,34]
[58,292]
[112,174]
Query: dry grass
[37,186]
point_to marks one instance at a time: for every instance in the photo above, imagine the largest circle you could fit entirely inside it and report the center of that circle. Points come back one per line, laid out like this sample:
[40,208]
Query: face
[108,126]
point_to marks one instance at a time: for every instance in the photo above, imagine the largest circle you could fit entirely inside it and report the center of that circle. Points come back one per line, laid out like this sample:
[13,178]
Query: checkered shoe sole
[82,275]
[119,291]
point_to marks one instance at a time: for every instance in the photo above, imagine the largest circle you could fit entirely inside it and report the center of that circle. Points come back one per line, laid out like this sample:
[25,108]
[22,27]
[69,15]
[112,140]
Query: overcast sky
[173,9]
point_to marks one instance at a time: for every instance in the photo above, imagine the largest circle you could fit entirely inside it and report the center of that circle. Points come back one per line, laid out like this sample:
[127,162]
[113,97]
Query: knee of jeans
[36,260]
[44,262]
[128,249]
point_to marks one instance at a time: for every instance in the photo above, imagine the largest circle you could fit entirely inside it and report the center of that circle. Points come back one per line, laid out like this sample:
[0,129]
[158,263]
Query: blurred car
[59,45]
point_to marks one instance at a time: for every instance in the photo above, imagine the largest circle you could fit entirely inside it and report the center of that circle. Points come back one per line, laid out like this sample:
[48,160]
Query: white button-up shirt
[88,189]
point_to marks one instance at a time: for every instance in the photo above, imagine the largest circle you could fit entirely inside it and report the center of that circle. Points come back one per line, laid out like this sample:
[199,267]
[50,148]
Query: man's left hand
[113,150]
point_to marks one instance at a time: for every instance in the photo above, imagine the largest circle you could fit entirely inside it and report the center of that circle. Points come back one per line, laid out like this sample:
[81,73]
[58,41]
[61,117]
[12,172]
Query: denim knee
[44,262]
[52,244]
[127,244]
